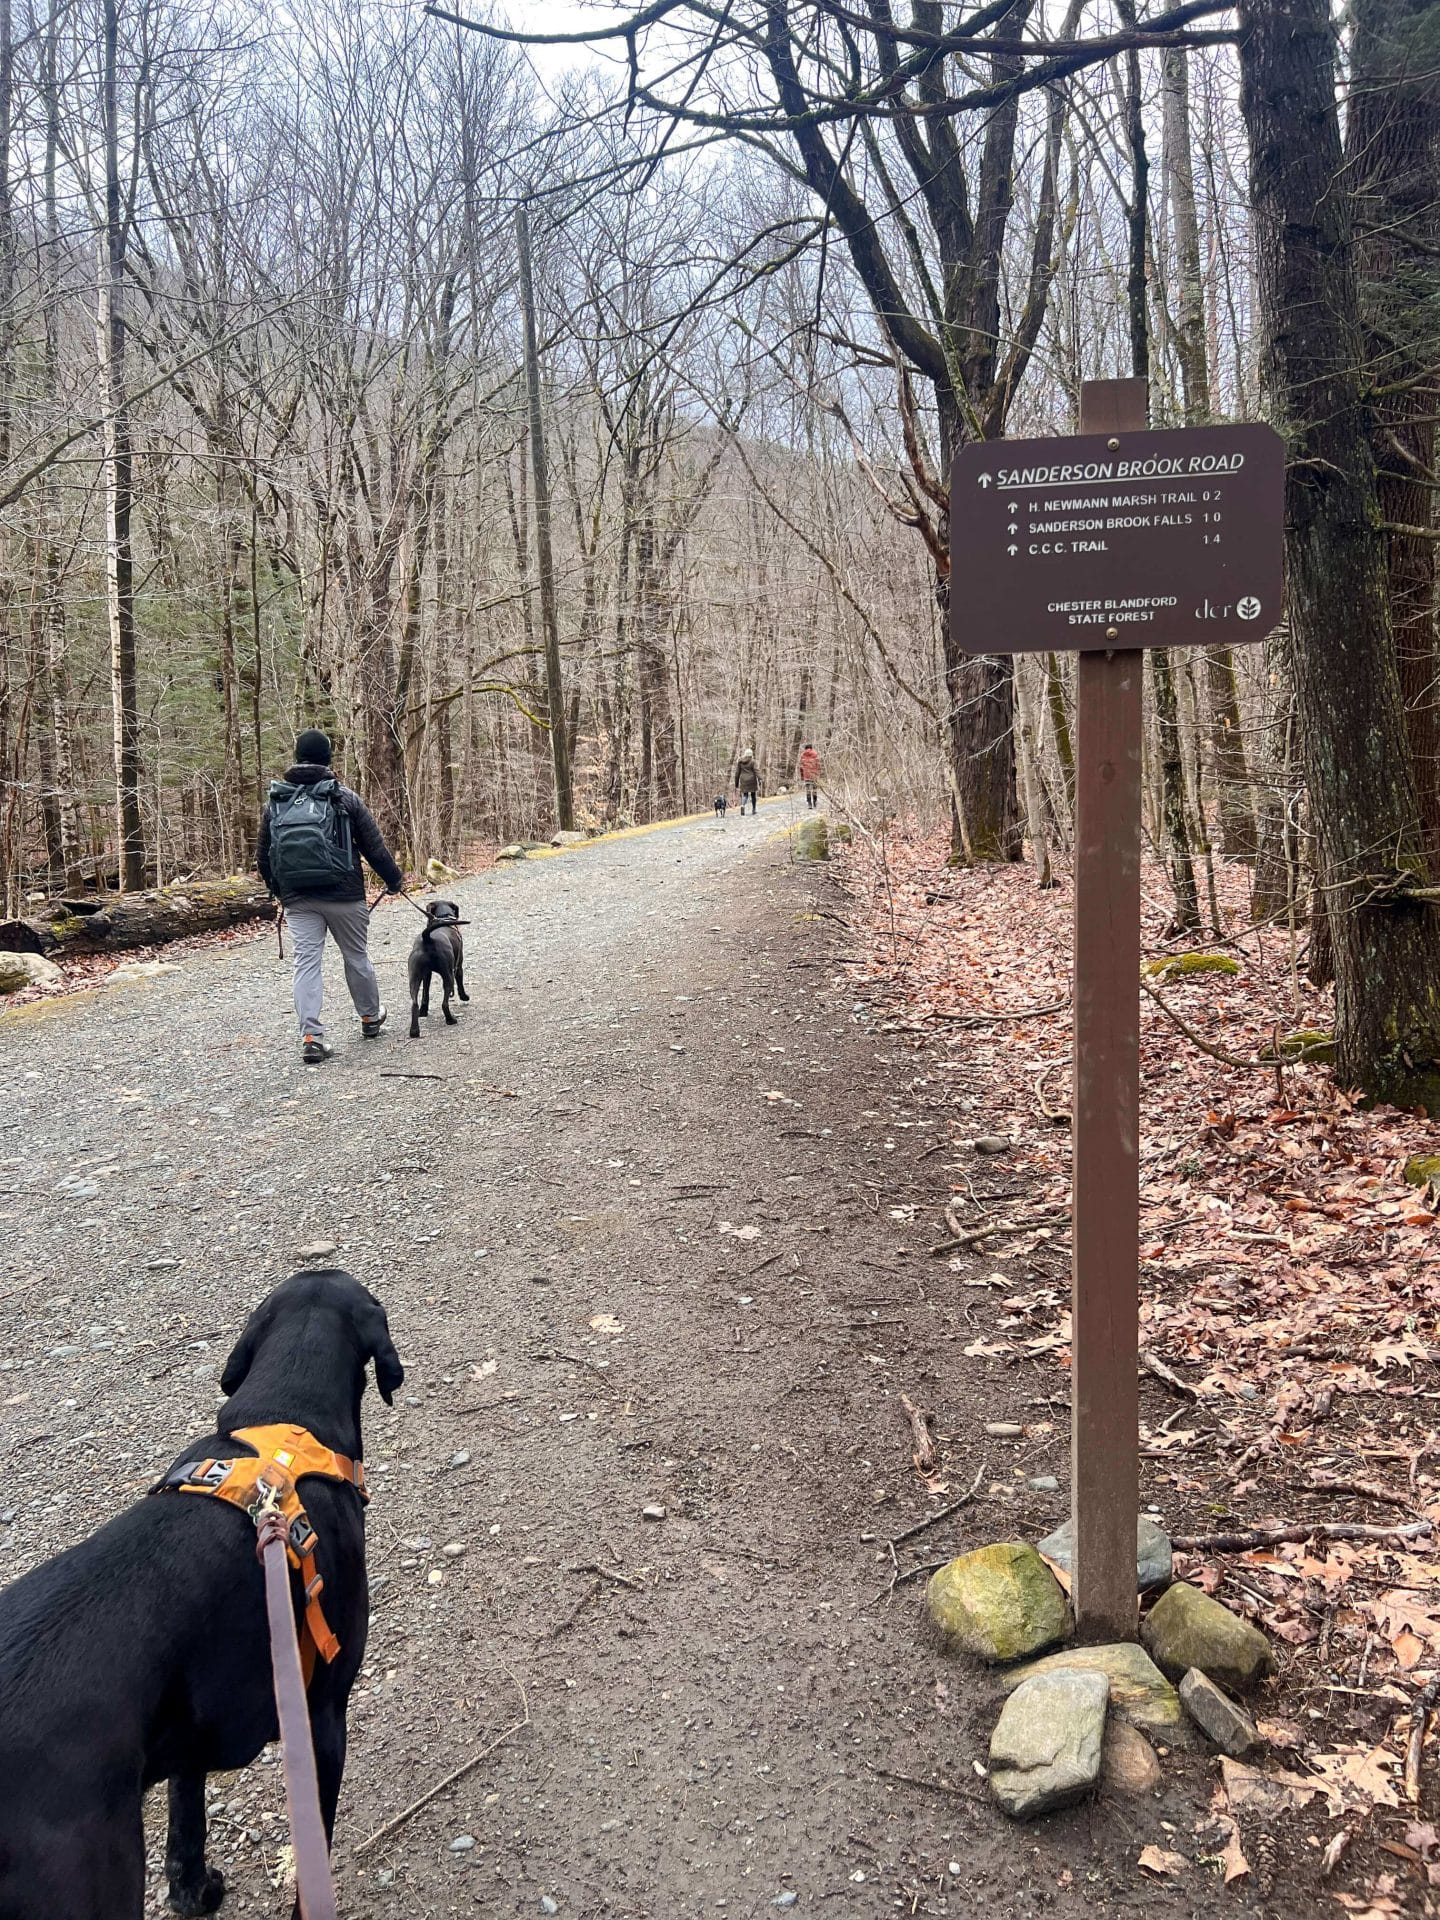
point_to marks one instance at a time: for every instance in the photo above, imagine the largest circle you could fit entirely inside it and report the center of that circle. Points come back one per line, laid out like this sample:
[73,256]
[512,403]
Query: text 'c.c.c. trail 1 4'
[1117,541]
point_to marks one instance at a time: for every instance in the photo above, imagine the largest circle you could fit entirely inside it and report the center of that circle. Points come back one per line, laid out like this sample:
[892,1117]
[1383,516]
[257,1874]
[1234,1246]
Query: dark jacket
[364,833]
[747,777]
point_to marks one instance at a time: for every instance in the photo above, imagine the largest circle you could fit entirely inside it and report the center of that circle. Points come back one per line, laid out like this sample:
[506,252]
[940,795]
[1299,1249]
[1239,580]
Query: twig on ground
[609,1573]
[1419,1722]
[1057,1116]
[1004,1228]
[923,1456]
[456,1774]
[913,1780]
[997,1019]
[395,1073]
[1362,1490]
[1297,1535]
[1196,1039]
[934,1519]
[1152,1363]
[592,1592]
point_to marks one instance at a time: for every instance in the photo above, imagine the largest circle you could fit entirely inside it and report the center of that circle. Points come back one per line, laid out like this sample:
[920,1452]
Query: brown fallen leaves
[1289,1278]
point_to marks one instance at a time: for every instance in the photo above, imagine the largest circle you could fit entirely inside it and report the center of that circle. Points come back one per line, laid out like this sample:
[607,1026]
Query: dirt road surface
[654,1239]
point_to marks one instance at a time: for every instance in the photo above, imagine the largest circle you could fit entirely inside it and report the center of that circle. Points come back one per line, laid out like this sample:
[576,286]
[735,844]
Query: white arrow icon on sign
[1011,527]
[1012,549]
[984,479]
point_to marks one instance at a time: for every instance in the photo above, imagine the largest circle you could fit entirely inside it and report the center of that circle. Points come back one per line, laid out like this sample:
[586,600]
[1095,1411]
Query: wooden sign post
[1105,1209]
[1105,544]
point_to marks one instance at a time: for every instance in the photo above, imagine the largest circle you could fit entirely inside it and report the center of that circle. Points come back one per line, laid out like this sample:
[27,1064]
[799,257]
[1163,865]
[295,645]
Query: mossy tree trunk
[1366,810]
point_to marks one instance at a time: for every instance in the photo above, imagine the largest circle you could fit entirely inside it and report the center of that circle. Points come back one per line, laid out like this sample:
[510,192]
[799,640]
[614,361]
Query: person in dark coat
[747,780]
[332,905]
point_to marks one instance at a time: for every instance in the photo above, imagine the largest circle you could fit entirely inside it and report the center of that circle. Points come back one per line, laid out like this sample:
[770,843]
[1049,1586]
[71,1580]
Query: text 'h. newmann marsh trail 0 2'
[1104,544]
[1171,539]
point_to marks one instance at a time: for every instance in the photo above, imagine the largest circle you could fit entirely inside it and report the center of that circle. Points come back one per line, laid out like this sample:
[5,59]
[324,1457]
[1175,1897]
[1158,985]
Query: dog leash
[280,928]
[315,1890]
[404,895]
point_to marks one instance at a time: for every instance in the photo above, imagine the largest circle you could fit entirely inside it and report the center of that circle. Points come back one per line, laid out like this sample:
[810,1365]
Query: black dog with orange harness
[143,1654]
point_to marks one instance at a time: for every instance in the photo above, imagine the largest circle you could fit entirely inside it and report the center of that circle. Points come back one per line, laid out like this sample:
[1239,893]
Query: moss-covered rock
[1181,965]
[1305,1043]
[1138,1689]
[516,852]
[842,834]
[1423,1169]
[19,970]
[1186,1628]
[1000,1602]
[812,838]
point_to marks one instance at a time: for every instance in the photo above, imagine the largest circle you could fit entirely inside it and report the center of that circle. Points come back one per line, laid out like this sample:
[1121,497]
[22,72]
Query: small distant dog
[721,803]
[439,948]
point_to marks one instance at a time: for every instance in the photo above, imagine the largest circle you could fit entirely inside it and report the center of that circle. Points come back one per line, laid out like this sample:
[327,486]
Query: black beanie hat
[312,748]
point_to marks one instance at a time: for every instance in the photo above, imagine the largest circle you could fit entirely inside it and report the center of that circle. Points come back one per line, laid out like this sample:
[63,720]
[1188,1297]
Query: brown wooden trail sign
[1102,544]
[1164,539]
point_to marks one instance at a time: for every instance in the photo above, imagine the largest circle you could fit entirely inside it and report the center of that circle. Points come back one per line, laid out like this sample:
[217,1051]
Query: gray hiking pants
[309,921]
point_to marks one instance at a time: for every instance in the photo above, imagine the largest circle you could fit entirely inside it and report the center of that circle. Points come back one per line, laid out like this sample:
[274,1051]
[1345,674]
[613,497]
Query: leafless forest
[274,448]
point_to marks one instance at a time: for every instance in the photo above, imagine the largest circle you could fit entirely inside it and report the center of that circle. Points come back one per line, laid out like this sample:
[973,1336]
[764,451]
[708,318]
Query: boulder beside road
[1046,1748]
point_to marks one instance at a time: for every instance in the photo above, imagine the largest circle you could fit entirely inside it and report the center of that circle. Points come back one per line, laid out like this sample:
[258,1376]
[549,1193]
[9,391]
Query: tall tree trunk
[1175,835]
[1393,153]
[1366,812]
[554,683]
[119,560]
[1227,741]
[53,605]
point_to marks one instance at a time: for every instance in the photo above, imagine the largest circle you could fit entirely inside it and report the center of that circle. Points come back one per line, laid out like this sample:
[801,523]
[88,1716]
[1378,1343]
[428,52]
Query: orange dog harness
[266,1483]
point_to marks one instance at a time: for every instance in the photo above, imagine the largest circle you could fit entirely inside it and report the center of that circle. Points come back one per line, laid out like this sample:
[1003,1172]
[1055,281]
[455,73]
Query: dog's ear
[379,1347]
[241,1355]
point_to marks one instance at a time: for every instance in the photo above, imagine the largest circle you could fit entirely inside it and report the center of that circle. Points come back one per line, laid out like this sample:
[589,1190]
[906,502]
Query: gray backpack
[311,846]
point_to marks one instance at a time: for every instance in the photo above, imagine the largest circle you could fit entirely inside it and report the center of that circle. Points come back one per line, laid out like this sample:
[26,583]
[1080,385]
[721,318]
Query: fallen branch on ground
[934,1519]
[1362,1491]
[923,1456]
[610,1573]
[1152,1363]
[456,1774]
[1004,1228]
[1297,1535]
[1419,1721]
[913,1780]
[996,1019]
[391,1073]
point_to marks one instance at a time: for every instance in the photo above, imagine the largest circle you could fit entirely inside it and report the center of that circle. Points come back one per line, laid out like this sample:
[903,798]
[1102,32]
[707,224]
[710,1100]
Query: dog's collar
[283,1455]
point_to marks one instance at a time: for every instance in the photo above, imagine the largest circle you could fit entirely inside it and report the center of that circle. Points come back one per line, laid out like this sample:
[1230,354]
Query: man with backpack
[312,835]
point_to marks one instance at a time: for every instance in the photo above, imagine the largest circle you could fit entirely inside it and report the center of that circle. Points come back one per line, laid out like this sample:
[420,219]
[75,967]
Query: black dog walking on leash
[439,948]
[143,1653]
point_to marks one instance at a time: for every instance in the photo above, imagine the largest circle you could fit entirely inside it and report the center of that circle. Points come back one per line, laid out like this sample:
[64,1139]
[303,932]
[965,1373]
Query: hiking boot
[370,1026]
[313,1050]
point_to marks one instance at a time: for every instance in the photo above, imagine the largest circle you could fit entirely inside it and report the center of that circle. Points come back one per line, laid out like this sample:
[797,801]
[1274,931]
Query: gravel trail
[653,1240]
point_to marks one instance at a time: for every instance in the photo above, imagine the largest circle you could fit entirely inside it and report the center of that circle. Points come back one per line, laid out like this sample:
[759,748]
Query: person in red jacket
[810,774]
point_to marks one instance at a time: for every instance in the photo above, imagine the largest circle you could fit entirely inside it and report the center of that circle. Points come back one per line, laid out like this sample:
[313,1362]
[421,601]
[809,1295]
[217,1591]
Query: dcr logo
[1247,608]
